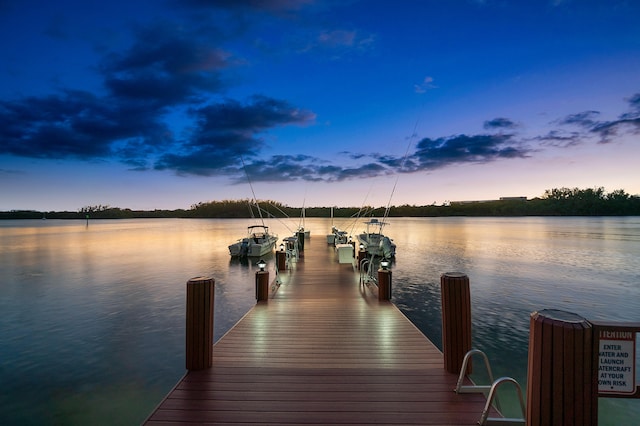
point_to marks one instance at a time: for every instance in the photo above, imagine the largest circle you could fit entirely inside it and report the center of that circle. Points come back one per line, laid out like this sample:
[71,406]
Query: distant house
[453,203]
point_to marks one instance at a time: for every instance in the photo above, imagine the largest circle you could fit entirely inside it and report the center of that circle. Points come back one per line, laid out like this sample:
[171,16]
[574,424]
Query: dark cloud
[73,124]
[432,154]
[226,131]
[609,129]
[586,119]
[628,122]
[165,66]
[634,103]
[559,139]
[258,114]
[389,160]
[280,168]
[364,171]
[289,168]
[499,123]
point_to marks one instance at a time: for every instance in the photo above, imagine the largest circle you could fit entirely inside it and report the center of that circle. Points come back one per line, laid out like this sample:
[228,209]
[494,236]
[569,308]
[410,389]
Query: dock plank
[321,350]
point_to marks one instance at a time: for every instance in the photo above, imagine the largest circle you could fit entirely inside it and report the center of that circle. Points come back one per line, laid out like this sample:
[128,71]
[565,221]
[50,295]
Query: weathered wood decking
[322,350]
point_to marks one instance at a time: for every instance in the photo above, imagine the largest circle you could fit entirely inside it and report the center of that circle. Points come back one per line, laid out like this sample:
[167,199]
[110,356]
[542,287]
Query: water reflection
[93,315]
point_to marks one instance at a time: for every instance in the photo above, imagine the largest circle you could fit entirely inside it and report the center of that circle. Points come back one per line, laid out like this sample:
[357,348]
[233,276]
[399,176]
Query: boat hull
[378,245]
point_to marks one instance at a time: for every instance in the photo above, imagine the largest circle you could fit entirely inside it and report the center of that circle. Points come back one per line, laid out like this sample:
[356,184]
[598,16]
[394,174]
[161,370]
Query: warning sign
[616,369]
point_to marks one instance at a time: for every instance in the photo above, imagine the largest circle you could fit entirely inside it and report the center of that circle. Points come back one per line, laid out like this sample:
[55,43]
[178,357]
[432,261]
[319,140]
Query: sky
[163,104]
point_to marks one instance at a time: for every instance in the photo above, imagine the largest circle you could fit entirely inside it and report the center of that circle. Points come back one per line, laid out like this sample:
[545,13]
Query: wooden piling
[281,260]
[456,319]
[301,242]
[262,285]
[199,335]
[384,284]
[560,389]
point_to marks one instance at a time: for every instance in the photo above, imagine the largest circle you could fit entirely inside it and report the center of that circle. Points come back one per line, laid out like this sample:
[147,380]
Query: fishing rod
[255,200]
[363,211]
[404,159]
[302,213]
[277,218]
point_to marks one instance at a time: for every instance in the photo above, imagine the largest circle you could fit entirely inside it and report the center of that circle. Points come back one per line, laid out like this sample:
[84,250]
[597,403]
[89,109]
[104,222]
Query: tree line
[554,202]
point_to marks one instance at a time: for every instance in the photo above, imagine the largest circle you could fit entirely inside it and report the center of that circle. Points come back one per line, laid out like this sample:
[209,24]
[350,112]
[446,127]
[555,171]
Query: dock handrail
[485,420]
[366,272]
[460,388]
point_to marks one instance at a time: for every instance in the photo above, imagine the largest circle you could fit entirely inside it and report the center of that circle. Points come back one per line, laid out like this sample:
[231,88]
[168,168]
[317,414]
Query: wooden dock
[321,350]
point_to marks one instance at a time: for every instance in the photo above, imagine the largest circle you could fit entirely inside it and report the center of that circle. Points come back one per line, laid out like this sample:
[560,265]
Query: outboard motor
[244,249]
[385,248]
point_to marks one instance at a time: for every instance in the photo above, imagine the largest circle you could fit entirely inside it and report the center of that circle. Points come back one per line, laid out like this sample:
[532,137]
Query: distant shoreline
[555,202]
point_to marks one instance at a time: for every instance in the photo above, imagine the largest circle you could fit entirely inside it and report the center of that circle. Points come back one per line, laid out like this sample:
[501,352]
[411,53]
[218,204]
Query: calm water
[92,324]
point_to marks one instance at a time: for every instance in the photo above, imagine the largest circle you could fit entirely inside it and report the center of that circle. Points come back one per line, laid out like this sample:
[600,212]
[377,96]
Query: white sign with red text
[617,355]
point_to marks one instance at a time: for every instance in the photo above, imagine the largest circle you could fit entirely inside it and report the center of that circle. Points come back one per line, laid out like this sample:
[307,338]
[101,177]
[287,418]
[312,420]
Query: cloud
[73,124]
[499,123]
[586,119]
[426,84]
[634,103]
[226,131]
[628,122]
[289,168]
[164,66]
[432,154]
[280,168]
[560,139]
[608,129]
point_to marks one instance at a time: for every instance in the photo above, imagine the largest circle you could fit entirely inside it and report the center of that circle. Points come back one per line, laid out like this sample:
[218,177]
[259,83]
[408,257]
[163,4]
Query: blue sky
[158,103]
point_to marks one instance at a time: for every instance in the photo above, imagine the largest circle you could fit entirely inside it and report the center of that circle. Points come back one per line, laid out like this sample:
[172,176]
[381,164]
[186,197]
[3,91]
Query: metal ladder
[366,272]
[485,420]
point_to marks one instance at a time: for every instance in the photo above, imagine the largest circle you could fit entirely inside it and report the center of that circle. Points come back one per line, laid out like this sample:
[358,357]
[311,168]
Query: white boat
[306,232]
[291,246]
[258,242]
[375,243]
[337,236]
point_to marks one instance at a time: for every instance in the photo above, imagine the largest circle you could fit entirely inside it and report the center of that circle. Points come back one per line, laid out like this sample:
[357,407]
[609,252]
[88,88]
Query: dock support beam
[560,389]
[456,320]
[199,339]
